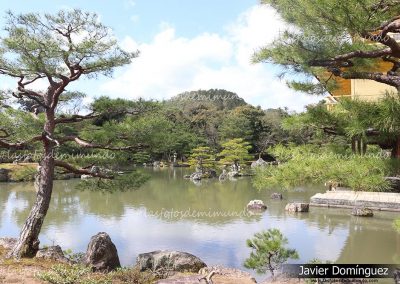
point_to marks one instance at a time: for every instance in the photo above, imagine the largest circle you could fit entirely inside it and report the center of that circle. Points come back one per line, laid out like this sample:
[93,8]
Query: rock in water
[297,207]
[196,176]
[362,212]
[233,174]
[52,253]
[256,205]
[259,163]
[224,175]
[276,195]
[174,261]
[86,176]
[102,254]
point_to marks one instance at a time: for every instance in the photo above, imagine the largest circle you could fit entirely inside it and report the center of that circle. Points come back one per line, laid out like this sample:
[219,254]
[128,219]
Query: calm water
[132,221]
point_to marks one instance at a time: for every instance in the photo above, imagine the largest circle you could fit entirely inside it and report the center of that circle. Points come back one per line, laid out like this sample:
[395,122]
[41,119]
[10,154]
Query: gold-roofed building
[367,90]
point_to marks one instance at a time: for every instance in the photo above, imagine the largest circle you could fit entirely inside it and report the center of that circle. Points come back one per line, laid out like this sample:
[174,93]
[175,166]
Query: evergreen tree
[234,153]
[202,158]
[57,50]
[269,251]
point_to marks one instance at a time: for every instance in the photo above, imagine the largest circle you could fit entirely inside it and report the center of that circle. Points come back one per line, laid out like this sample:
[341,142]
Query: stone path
[387,201]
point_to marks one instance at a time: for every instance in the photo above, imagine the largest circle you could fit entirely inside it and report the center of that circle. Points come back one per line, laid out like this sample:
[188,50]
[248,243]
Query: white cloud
[134,18]
[129,3]
[170,64]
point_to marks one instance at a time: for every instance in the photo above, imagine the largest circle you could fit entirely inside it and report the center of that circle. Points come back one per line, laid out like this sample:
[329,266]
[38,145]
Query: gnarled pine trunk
[28,242]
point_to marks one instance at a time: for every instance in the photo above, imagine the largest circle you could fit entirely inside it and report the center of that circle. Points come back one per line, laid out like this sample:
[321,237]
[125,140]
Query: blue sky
[185,45]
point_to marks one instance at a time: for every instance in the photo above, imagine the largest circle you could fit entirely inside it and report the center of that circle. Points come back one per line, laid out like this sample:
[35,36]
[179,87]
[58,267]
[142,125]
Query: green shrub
[66,274]
[79,274]
[132,276]
[310,164]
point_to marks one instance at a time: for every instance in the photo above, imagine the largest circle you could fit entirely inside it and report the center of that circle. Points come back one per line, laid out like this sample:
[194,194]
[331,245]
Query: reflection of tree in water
[4,197]
[371,240]
[168,190]
[63,207]
[164,192]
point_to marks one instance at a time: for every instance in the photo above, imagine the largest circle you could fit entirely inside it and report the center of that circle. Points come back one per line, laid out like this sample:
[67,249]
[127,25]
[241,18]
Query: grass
[21,171]
[79,274]
[50,271]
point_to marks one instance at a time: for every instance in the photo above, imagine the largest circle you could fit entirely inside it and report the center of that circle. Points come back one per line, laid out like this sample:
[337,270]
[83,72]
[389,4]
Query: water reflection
[74,216]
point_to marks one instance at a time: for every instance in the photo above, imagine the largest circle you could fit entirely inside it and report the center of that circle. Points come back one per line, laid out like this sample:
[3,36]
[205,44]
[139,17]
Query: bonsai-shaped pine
[269,251]
[202,158]
[235,152]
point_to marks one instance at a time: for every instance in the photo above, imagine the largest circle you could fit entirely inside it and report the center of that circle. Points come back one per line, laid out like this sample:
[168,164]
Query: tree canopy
[329,39]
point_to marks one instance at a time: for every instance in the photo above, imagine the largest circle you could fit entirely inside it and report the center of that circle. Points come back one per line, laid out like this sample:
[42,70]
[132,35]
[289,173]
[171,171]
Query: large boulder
[256,205]
[259,163]
[101,253]
[52,253]
[362,212]
[297,207]
[174,261]
[8,243]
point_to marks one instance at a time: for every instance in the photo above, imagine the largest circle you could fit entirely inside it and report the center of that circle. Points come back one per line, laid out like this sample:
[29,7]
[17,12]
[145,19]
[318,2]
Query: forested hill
[221,99]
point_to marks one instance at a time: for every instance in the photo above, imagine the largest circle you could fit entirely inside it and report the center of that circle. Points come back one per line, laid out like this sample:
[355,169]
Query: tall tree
[57,50]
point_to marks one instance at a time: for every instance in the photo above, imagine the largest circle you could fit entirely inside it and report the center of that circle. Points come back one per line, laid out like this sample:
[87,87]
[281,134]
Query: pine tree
[269,251]
[234,153]
[202,158]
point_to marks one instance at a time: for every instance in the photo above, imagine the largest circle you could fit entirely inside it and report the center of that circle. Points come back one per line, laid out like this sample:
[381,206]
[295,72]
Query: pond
[206,219]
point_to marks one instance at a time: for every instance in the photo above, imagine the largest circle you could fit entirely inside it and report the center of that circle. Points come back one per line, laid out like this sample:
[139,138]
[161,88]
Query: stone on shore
[362,212]
[8,243]
[102,254]
[297,207]
[169,261]
[52,253]
[256,205]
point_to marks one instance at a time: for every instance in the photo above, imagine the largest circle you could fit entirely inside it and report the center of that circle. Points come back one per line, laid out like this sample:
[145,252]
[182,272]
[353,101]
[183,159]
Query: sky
[184,45]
